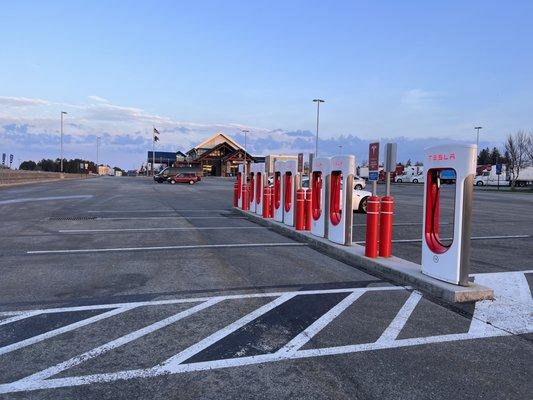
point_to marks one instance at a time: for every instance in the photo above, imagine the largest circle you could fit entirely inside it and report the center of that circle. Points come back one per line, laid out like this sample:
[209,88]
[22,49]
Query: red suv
[184,177]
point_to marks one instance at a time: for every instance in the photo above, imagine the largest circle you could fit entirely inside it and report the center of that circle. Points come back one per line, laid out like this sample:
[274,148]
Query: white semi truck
[488,177]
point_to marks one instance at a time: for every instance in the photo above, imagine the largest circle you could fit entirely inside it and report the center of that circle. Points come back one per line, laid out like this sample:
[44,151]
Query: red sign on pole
[373,156]
[301,162]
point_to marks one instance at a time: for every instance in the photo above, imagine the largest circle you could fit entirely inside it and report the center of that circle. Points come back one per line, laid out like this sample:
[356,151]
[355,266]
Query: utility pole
[97,151]
[317,101]
[62,113]
[477,128]
[245,131]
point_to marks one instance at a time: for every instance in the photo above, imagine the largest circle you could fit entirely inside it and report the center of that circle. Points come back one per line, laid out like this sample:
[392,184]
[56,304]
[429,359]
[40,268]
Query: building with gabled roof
[220,155]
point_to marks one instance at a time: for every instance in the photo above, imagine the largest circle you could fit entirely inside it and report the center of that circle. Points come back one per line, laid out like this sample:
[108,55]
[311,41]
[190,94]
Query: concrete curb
[395,269]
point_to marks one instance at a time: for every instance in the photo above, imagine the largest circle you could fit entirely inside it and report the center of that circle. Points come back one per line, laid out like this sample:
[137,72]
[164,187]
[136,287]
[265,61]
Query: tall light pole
[317,101]
[97,152]
[477,128]
[245,131]
[62,113]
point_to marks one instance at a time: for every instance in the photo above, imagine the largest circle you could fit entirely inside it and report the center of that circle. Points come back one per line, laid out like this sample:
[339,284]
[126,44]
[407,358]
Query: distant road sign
[373,156]
[301,162]
[498,169]
[373,176]
[3,158]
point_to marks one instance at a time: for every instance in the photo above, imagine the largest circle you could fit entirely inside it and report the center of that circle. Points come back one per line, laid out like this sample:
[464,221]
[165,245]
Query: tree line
[69,166]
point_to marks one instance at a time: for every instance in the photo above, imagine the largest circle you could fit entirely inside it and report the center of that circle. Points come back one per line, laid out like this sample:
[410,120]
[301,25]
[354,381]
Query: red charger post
[308,209]
[385,226]
[372,227]
[266,202]
[245,203]
[300,210]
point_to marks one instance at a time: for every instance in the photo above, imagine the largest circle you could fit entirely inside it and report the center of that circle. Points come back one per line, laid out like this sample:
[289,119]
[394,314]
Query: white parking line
[63,329]
[167,217]
[206,228]
[158,211]
[397,324]
[28,199]
[472,238]
[170,363]
[196,246]
[56,369]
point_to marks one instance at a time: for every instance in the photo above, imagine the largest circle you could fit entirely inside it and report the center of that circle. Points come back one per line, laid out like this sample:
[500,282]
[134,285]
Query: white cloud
[98,99]
[22,101]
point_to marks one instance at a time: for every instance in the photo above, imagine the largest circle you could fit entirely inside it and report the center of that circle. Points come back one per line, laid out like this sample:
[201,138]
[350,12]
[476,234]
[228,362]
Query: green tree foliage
[69,166]
[28,165]
[484,157]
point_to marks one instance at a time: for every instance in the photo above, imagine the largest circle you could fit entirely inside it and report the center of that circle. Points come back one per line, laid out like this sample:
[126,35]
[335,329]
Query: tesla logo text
[442,157]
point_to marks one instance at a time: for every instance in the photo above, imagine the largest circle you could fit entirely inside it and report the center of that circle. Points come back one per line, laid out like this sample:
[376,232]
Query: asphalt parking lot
[122,288]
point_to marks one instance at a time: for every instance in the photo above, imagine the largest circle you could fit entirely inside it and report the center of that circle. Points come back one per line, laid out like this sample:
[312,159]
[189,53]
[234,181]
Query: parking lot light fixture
[317,101]
[245,131]
[61,145]
[477,128]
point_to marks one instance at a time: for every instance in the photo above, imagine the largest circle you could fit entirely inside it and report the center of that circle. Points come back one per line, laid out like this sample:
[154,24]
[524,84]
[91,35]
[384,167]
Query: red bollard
[235,194]
[300,210]
[385,226]
[308,209]
[372,230]
[245,203]
[266,202]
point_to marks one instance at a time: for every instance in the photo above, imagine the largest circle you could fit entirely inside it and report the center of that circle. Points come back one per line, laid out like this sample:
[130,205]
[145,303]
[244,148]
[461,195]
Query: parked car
[359,198]
[184,177]
[164,175]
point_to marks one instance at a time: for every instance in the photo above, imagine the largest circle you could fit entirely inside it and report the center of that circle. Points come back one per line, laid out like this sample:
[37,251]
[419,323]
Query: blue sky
[415,69]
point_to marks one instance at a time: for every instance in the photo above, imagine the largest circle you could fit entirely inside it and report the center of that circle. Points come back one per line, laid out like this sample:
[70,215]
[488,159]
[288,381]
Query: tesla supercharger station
[260,182]
[342,171]
[291,182]
[240,180]
[448,262]
[320,196]
[279,172]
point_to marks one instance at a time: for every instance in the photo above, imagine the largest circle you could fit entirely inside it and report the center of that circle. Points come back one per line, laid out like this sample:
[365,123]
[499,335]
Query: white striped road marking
[200,299]
[159,211]
[186,247]
[312,330]
[397,324]
[28,199]
[472,238]
[56,369]
[63,329]
[170,363]
[207,228]
[19,317]
[37,383]
[512,298]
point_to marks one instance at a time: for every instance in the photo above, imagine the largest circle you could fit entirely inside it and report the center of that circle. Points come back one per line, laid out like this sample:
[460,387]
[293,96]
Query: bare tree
[530,147]
[517,148]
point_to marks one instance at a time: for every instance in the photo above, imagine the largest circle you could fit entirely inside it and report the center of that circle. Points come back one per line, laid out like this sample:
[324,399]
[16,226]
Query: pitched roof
[213,139]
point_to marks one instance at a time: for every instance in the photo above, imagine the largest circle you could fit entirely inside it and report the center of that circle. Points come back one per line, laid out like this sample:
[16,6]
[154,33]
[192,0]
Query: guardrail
[13,177]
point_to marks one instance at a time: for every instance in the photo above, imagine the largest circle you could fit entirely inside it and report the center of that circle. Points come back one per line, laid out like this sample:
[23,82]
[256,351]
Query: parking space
[145,290]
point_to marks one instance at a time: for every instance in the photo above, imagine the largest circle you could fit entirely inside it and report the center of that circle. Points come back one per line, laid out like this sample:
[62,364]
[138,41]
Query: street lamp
[477,128]
[97,150]
[245,131]
[317,101]
[62,113]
